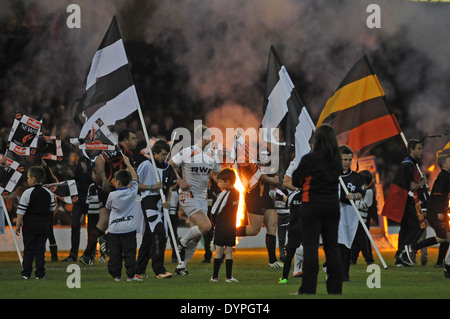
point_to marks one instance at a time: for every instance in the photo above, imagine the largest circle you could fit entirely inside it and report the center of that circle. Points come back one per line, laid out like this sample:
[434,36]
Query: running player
[195,164]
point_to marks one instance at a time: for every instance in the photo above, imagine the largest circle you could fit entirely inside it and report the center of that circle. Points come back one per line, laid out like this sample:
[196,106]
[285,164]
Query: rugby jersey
[146,174]
[196,165]
[36,205]
[439,198]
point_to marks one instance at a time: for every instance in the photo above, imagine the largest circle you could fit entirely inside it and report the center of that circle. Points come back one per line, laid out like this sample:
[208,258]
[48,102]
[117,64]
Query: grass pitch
[257,281]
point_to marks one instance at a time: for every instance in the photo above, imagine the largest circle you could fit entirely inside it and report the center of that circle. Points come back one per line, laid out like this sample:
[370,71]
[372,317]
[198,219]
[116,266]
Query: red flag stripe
[373,131]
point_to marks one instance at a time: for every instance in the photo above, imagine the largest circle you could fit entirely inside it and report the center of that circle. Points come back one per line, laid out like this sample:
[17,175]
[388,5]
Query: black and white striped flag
[110,91]
[283,109]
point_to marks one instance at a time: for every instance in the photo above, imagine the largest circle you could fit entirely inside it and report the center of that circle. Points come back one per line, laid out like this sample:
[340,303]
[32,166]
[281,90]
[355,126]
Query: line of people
[311,206]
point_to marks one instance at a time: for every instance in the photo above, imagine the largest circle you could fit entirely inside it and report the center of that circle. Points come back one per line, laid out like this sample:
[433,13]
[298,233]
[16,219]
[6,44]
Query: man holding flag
[282,109]
[402,204]
[106,165]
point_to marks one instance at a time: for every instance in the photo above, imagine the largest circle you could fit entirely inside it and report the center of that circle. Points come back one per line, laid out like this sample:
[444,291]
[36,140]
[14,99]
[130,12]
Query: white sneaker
[232,279]
[277,264]
[134,278]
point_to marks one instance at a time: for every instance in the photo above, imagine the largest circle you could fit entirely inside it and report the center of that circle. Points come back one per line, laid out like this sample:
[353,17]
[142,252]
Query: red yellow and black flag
[358,110]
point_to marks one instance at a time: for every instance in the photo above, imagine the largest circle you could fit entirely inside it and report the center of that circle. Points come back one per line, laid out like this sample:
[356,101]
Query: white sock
[447,258]
[193,233]
[298,259]
[188,253]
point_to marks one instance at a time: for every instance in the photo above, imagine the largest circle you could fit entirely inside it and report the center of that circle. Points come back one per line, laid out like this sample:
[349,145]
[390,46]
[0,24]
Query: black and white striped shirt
[92,199]
[36,205]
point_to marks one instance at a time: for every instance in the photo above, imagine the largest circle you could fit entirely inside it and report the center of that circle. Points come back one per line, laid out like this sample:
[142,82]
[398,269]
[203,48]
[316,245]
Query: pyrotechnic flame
[240,214]
[448,214]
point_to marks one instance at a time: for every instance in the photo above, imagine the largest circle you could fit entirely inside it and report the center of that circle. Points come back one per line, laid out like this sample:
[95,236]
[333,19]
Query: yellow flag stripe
[352,94]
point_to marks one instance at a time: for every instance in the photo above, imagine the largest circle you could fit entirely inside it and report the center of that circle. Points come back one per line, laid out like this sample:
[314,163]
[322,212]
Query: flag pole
[5,210]
[363,224]
[163,197]
[144,129]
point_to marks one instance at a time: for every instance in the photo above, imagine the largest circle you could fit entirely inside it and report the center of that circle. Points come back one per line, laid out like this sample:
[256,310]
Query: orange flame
[431,168]
[448,214]
[240,213]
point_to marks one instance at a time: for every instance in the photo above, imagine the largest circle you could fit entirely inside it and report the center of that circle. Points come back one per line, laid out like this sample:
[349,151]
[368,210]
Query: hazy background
[207,59]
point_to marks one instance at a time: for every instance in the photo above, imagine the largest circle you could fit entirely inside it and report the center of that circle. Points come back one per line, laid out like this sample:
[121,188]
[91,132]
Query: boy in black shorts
[36,205]
[224,218]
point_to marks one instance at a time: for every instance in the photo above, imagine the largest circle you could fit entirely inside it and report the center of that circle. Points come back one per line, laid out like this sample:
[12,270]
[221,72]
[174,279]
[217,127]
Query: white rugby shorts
[192,205]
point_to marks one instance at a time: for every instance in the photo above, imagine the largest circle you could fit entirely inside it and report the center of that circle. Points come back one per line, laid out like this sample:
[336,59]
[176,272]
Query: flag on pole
[24,135]
[99,137]
[303,133]
[394,205]
[110,91]
[358,110]
[10,174]
[282,108]
[280,99]
[51,148]
[244,163]
[66,190]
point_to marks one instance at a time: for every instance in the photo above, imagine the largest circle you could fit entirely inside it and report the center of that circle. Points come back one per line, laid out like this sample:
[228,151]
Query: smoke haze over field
[221,48]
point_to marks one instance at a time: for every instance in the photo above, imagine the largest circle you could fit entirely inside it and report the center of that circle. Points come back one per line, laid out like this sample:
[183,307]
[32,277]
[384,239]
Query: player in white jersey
[196,164]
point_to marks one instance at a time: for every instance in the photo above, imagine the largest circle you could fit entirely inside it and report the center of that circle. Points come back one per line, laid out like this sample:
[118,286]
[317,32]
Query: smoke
[223,46]
[46,68]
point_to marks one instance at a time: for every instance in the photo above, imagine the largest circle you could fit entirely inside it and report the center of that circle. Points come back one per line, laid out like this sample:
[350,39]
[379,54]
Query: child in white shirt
[122,226]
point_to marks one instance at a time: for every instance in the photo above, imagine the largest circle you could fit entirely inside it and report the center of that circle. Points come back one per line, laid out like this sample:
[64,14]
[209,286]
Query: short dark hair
[123,176]
[227,174]
[160,145]
[125,134]
[345,149]
[38,173]
[412,144]
[367,176]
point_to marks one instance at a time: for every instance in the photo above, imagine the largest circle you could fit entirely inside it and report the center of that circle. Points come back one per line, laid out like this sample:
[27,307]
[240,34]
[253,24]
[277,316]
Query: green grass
[257,281]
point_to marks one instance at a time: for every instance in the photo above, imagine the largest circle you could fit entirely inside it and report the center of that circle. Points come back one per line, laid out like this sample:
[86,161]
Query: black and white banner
[99,137]
[24,135]
[283,109]
[110,92]
[67,190]
[10,174]
[51,148]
